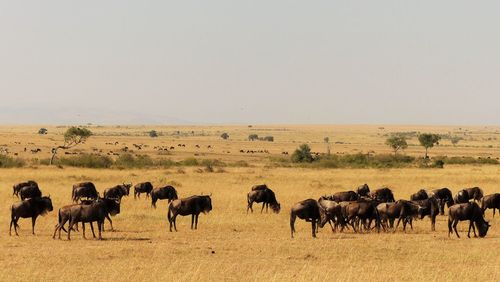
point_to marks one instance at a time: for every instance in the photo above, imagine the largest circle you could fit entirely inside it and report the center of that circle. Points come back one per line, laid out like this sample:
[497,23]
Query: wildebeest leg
[433,222]
[313,223]
[192,220]
[70,227]
[100,227]
[267,207]
[250,203]
[455,223]
[110,222]
[263,204]
[474,229]
[196,221]
[83,230]
[12,223]
[397,225]
[33,220]
[449,227]
[292,223]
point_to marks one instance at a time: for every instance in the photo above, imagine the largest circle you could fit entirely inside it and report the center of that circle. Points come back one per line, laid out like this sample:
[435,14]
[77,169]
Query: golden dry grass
[233,245]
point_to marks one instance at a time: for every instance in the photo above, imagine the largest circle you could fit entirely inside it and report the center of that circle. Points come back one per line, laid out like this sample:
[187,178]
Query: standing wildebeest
[363,190]
[330,211]
[29,208]
[84,190]
[420,195]
[265,196]
[307,210]
[461,197]
[469,211]
[475,193]
[259,187]
[383,195]
[117,192]
[145,187]
[16,188]
[161,193]
[401,210]
[344,196]
[491,202]
[193,206]
[444,196]
[30,192]
[96,211]
[429,207]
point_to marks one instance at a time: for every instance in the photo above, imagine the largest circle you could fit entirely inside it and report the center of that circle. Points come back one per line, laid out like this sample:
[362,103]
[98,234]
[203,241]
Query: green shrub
[302,154]
[131,161]
[86,160]
[6,162]
[190,162]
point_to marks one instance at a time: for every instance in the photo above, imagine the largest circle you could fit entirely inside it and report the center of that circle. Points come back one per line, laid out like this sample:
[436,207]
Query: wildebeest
[475,193]
[265,196]
[259,187]
[29,208]
[363,190]
[468,211]
[193,206]
[330,211]
[400,210]
[491,202]
[383,195]
[429,207]
[95,212]
[16,188]
[161,193]
[145,187]
[461,197]
[84,190]
[444,196]
[30,192]
[117,192]
[307,210]
[420,195]
[361,213]
[344,196]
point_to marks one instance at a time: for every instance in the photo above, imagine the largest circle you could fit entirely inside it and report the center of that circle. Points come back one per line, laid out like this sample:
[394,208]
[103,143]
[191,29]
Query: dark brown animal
[307,210]
[344,196]
[162,193]
[193,206]
[461,197]
[444,196]
[84,190]
[400,210]
[429,207]
[30,192]
[145,187]
[383,195]
[420,195]
[361,213]
[491,202]
[95,212]
[468,211]
[363,190]
[475,193]
[259,187]
[117,192]
[33,208]
[330,211]
[16,188]
[265,196]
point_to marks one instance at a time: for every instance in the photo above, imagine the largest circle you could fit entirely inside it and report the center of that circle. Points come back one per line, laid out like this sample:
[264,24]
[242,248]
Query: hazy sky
[435,62]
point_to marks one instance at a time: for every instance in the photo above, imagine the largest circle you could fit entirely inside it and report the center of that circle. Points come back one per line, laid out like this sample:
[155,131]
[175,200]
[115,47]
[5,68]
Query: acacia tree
[397,142]
[224,136]
[428,140]
[302,154]
[72,137]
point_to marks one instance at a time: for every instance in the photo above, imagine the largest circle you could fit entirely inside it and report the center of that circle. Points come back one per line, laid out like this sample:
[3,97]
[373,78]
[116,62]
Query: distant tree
[428,140]
[42,130]
[302,154]
[327,142]
[253,137]
[455,139]
[268,139]
[224,136]
[72,137]
[153,134]
[397,142]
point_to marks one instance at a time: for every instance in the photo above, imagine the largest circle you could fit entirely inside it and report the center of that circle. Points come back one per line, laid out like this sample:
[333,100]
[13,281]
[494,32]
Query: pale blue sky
[424,62]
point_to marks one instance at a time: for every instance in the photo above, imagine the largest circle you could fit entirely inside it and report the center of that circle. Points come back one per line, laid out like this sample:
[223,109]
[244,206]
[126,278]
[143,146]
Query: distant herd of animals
[343,210]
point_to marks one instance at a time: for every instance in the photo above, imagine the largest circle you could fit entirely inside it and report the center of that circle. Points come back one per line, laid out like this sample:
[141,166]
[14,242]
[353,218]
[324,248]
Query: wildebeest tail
[169,215]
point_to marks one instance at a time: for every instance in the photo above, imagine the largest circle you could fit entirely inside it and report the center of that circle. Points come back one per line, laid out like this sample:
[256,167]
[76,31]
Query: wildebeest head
[112,205]
[276,207]
[363,190]
[323,216]
[126,188]
[206,204]
[482,226]
[46,205]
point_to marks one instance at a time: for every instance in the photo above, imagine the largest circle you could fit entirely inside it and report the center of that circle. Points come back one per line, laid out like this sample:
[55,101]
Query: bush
[190,162]
[268,139]
[253,137]
[153,134]
[302,154]
[86,160]
[129,161]
[6,162]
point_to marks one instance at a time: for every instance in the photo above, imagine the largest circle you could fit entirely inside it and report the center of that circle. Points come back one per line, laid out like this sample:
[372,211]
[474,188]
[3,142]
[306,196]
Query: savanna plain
[231,244]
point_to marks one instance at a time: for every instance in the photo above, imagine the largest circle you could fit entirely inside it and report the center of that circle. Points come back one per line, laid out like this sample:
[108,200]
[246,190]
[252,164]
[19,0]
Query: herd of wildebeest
[358,209]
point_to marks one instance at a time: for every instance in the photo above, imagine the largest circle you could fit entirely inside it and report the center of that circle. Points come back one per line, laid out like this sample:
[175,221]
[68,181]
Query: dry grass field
[231,244]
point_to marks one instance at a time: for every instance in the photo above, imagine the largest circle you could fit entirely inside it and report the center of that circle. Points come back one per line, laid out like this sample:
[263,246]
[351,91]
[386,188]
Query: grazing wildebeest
[30,192]
[84,190]
[96,211]
[344,196]
[117,192]
[363,190]
[359,212]
[29,208]
[491,202]
[401,210]
[461,197]
[468,211]
[330,211]
[161,193]
[145,187]
[420,195]
[307,210]
[193,206]
[475,193]
[383,195]
[444,196]
[265,196]
[429,207]
[16,188]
